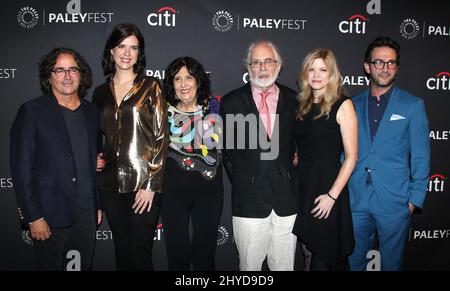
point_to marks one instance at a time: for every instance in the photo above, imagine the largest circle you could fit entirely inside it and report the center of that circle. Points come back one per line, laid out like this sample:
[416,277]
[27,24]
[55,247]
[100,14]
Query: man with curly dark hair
[53,153]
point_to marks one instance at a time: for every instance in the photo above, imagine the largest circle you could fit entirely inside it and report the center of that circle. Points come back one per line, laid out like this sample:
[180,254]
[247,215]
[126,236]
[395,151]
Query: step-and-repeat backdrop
[217,32]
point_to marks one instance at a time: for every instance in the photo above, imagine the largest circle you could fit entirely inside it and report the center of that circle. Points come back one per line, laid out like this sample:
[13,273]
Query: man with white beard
[264,201]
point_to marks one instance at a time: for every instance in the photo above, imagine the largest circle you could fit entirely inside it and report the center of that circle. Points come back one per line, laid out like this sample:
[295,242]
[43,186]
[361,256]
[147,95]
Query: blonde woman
[326,127]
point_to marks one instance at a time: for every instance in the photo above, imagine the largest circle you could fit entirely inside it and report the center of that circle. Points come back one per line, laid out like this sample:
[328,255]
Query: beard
[382,83]
[262,83]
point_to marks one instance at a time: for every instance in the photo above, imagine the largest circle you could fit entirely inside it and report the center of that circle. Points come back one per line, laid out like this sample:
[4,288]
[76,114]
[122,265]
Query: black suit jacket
[258,186]
[42,164]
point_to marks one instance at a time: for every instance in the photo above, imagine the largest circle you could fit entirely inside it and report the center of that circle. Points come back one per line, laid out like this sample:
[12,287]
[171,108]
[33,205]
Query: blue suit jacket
[399,155]
[42,164]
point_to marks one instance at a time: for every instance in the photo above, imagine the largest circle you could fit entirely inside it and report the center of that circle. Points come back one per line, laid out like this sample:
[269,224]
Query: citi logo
[436,183]
[440,82]
[164,17]
[355,24]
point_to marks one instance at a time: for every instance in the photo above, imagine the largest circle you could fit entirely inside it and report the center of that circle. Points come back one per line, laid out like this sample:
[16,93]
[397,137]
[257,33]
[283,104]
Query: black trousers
[317,264]
[133,234]
[204,211]
[57,253]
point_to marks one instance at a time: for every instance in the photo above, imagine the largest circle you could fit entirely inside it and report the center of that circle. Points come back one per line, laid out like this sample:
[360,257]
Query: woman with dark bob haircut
[193,176]
[133,121]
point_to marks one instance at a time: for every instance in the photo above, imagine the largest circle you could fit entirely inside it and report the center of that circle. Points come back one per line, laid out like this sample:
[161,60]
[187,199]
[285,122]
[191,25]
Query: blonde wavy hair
[334,89]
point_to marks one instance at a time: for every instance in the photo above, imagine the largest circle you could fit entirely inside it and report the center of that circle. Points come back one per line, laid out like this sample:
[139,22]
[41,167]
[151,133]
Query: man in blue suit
[391,176]
[53,153]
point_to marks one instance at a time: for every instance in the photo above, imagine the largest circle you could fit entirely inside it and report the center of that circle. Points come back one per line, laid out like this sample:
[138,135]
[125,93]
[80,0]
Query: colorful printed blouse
[194,138]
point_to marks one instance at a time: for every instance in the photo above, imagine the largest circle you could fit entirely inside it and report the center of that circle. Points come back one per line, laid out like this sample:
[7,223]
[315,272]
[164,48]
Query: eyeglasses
[60,72]
[267,62]
[379,64]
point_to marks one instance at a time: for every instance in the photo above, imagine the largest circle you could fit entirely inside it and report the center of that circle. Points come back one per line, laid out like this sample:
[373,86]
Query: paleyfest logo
[439,134]
[222,236]
[355,81]
[26,236]
[27,17]
[73,14]
[222,21]
[409,28]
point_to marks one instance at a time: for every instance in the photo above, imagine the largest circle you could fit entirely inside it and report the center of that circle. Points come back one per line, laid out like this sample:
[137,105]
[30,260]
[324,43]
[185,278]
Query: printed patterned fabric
[194,138]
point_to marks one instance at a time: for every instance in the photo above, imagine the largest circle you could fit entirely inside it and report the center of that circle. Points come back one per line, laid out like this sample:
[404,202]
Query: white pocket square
[395,117]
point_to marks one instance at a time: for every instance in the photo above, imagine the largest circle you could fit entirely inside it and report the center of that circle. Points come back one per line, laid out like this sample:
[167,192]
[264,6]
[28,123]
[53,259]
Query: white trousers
[271,237]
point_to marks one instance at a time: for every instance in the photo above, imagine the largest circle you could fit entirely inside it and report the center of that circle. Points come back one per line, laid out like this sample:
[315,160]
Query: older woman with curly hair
[192,183]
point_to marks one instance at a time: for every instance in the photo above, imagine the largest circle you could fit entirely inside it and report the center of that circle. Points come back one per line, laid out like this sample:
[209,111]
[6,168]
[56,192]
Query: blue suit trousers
[392,230]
